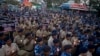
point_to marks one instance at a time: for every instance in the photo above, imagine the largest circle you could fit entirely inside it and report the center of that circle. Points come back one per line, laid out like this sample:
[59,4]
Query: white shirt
[50,41]
[9,49]
[66,42]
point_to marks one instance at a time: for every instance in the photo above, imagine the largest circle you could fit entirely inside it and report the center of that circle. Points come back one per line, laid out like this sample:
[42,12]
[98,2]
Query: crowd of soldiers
[53,33]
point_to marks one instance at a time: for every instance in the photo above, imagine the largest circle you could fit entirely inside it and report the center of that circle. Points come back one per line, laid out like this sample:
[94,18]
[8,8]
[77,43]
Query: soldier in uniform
[29,43]
[67,40]
[19,39]
[10,49]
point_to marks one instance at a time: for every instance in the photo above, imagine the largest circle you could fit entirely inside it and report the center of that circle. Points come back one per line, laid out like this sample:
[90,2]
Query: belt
[29,50]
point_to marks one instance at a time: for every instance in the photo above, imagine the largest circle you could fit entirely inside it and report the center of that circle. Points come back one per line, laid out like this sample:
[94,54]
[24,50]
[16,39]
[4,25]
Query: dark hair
[7,38]
[21,30]
[68,35]
[28,34]
[66,47]
[46,48]
[83,50]
[91,46]
[1,28]
[56,41]
[39,39]
[1,34]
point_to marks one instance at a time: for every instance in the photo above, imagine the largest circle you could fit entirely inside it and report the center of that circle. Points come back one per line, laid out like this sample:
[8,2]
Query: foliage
[13,2]
[57,2]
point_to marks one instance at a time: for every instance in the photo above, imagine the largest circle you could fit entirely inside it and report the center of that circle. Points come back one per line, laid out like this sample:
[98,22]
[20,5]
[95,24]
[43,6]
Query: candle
[21,40]
[58,49]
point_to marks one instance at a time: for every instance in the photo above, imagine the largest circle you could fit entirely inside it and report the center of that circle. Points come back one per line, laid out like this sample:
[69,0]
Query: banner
[78,6]
[27,3]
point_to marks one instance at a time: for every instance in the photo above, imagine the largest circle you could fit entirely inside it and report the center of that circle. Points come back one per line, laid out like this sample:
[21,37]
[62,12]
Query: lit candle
[13,51]
[58,49]
[21,40]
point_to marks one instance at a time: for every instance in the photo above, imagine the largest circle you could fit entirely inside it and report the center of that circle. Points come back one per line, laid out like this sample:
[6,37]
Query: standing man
[10,49]
[29,43]
[19,39]
[38,50]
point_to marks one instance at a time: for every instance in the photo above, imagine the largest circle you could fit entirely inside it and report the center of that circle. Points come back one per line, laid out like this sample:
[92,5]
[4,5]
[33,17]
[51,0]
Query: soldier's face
[8,42]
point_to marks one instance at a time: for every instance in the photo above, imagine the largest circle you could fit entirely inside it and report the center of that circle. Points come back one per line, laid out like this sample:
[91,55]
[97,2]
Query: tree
[57,2]
[13,2]
[96,5]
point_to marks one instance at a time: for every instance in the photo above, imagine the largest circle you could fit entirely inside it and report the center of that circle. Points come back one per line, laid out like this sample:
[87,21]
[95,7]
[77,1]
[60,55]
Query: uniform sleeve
[2,53]
[17,48]
[15,39]
[25,41]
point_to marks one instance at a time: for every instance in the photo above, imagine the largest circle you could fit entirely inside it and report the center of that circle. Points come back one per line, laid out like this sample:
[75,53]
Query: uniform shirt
[62,34]
[9,49]
[66,42]
[2,52]
[19,40]
[50,41]
[39,33]
[65,54]
[38,50]
[45,33]
[29,46]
